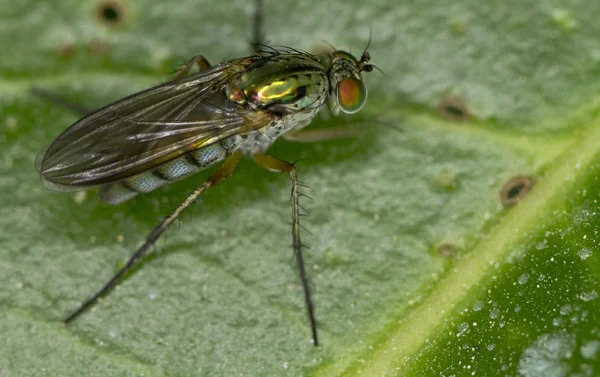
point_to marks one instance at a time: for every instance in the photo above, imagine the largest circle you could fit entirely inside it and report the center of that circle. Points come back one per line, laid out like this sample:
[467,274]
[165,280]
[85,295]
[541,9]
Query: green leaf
[417,268]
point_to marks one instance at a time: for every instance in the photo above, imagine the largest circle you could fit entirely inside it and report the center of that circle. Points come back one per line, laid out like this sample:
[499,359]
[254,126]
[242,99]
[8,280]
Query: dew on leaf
[575,319]
[523,278]
[544,358]
[584,253]
[494,313]
[565,309]
[589,349]
[588,296]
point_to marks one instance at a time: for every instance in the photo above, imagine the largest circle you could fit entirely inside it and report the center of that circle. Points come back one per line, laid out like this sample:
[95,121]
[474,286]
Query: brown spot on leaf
[98,48]
[66,50]
[453,109]
[446,250]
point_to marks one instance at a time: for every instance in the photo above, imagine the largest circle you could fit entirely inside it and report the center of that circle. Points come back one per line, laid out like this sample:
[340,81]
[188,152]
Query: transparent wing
[147,129]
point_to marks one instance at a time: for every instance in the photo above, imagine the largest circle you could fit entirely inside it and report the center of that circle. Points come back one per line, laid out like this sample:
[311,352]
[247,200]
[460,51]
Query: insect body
[170,131]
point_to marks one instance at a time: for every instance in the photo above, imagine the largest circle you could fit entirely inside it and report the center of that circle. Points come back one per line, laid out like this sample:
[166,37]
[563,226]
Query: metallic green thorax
[281,84]
[288,83]
[292,88]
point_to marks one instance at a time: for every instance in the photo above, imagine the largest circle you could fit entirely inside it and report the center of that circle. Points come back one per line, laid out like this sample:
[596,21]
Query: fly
[215,116]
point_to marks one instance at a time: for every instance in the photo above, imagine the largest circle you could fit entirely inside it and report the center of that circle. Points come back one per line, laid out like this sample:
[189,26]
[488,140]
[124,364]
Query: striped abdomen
[189,163]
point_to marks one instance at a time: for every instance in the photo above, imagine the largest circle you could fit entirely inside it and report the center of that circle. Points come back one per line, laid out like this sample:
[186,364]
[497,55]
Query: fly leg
[221,174]
[332,133]
[274,164]
[324,134]
[57,100]
[198,60]
[257,35]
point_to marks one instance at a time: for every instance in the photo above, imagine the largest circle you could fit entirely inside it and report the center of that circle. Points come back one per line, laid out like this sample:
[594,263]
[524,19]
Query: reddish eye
[351,95]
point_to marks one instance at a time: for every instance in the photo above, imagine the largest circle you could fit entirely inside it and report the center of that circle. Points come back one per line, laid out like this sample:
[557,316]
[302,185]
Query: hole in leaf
[515,189]
[453,109]
[110,13]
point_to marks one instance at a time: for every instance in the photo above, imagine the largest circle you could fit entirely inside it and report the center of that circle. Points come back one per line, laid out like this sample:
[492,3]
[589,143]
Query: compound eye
[351,95]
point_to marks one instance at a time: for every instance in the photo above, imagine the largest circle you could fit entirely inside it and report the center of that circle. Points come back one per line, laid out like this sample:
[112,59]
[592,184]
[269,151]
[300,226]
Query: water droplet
[491,346]
[477,306]
[523,278]
[565,309]
[494,313]
[545,356]
[588,296]
[574,319]
[588,350]
[584,253]
[462,328]
[557,321]
[517,308]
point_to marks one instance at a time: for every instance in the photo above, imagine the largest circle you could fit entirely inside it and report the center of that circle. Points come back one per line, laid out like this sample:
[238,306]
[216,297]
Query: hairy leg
[274,164]
[221,174]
